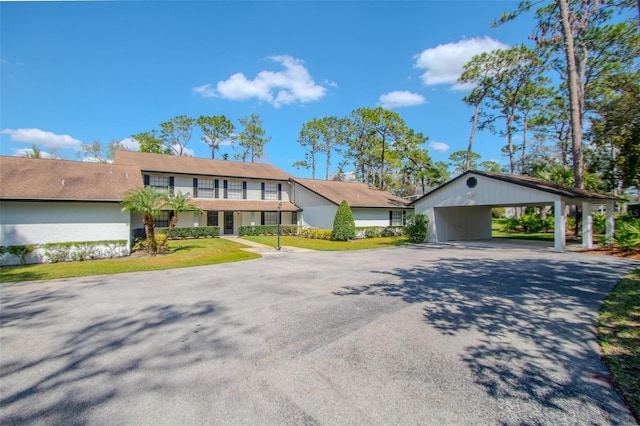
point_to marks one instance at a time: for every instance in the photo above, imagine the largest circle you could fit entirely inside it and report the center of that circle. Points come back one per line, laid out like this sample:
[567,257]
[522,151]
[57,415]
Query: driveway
[412,335]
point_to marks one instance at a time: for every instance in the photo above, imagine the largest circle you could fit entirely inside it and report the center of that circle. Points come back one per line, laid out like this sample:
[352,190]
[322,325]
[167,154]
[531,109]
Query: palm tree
[178,203]
[149,202]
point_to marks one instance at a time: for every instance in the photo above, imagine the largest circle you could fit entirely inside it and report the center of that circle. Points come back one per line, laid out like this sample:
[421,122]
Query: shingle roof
[356,194]
[42,179]
[199,166]
[245,205]
[533,183]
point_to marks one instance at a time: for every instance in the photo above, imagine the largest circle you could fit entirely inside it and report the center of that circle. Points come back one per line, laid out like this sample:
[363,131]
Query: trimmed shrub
[192,232]
[57,252]
[532,223]
[344,226]
[416,227]
[316,234]
[256,230]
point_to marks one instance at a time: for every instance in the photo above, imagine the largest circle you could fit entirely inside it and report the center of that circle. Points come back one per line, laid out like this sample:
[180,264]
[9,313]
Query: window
[161,184]
[205,188]
[270,218]
[294,218]
[162,220]
[234,190]
[270,191]
[396,218]
[212,218]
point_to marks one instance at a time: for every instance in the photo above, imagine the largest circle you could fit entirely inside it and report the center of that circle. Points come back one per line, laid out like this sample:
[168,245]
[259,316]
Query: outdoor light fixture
[279,217]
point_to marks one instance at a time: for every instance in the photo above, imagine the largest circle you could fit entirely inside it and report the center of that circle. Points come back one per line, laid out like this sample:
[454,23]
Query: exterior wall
[58,222]
[184,184]
[487,192]
[317,211]
[372,217]
[459,223]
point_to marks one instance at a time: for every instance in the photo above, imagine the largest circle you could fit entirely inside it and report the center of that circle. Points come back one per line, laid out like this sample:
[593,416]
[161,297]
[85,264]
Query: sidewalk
[262,248]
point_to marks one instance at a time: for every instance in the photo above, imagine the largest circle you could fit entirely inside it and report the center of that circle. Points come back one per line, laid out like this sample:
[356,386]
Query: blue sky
[75,72]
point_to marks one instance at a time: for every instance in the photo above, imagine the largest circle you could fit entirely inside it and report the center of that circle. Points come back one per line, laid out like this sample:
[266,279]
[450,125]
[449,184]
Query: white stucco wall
[56,222]
[371,216]
[318,212]
[459,223]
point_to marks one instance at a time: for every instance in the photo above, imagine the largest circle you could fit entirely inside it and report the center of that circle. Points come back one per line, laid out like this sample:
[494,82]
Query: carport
[461,208]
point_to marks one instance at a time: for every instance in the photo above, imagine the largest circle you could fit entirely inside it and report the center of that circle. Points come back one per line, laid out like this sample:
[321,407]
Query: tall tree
[150,142]
[459,161]
[309,139]
[149,202]
[251,140]
[417,165]
[176,134]
[215,130]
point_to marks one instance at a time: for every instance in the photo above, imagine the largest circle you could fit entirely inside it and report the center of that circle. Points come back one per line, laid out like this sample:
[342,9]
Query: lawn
[185,253]
[619,330]
[497,226]
[325,245]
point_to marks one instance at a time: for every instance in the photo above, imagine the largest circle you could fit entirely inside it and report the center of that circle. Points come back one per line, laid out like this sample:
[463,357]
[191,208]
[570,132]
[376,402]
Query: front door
[228,222]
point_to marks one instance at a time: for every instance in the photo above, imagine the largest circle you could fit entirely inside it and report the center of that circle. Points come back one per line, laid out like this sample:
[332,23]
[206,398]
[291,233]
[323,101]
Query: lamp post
[279,218]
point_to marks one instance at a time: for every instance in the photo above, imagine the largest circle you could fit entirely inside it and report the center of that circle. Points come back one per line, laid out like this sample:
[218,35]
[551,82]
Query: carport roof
[533,183]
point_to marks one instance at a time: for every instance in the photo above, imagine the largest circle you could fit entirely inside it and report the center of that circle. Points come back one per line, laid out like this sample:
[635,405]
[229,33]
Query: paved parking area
[411,335]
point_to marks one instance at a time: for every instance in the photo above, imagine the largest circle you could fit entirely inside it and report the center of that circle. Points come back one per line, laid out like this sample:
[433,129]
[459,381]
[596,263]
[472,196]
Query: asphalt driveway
[410,335]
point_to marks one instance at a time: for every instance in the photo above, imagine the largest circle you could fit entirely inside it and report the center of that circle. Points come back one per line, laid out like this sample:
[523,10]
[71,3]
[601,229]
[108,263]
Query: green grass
[498,224]
[186,253]
[619,332]
[325,245]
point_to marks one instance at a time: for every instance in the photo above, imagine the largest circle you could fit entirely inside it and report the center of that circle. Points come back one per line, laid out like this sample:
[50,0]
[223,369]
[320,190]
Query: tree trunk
[474,123]
[574,94]
[149,229]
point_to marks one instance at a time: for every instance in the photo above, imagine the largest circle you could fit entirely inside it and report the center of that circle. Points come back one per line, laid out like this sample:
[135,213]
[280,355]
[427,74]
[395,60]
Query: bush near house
[344,226]
[256,230]
[416,227]
[192,232]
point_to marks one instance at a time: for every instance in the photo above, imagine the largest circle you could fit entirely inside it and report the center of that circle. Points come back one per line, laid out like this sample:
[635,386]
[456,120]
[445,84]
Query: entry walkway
[262,248]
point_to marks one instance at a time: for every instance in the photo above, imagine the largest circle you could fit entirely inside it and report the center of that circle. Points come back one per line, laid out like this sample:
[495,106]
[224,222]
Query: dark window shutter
[146,180]
[195,187]
[279,191]
[390,218]
[225,189]
[262,189]
[261,218]
[244,190]
[171,183]
[216,185]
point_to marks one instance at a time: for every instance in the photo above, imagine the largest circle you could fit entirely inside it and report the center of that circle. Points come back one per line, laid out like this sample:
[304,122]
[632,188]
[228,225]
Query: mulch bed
[614,251]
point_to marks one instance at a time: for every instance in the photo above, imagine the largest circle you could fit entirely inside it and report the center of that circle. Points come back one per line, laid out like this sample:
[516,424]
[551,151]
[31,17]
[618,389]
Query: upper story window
[205,188]
[270,191]
[234,190]
[161,184]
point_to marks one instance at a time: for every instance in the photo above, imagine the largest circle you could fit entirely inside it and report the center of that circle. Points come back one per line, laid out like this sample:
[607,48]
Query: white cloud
[42,137]
[130,144]
[293,84]
[444,63]
[438,146]
[400,98]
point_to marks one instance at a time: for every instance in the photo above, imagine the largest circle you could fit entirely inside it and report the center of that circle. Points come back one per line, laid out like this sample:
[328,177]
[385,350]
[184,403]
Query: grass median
[184,253]
[325,245]
[619,330]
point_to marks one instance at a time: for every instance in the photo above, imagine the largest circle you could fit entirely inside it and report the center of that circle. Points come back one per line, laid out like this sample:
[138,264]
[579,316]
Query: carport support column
[559,208]
[587,226]
[609,222]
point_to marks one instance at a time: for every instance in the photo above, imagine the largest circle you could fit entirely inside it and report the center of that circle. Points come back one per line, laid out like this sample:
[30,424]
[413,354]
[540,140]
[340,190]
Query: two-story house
[232,194]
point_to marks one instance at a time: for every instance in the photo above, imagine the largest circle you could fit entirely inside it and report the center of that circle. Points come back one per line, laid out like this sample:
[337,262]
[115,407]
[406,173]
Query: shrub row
[67,251]
[194,232]
[256,230]
[378,231]
[316,233]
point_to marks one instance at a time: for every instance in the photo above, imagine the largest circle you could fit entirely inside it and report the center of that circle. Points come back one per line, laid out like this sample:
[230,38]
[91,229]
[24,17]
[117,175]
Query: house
[50,201]
[370,206]
[231,193]
[46,201]
[460,209]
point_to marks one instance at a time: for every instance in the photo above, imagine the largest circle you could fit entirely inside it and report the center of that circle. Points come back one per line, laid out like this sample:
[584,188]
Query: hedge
[256,230]
[191,232]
